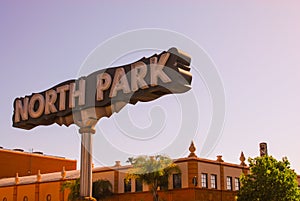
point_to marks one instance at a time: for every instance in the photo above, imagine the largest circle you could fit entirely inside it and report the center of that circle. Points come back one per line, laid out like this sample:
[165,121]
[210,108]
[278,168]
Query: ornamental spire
[242,159]
[17,179]
[63,173]
[192,150]
[39,176]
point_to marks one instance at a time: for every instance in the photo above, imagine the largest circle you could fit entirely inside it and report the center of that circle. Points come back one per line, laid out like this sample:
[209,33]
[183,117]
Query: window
[204,180]
[127,185]
[176,180]
[213,181]
[25,198]
[237,184]
[48,198]
[164,185]
[4,199]
[229,183]
[138,185]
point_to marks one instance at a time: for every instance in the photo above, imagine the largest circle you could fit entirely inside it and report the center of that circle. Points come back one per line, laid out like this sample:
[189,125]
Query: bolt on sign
[106,91]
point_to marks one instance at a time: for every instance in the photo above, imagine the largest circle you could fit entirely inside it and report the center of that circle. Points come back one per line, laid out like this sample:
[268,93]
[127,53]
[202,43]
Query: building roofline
[35,154]
[47,177]
[181,160]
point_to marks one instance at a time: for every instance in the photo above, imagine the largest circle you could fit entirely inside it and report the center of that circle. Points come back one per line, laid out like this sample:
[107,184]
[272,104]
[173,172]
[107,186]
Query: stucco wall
[6,192]
[209,169]
[51,188]
[108,175]
[26,190]
[12,162]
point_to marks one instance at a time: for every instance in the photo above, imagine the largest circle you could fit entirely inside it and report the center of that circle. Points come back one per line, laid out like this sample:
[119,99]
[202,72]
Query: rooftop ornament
[242,159]
[192,150]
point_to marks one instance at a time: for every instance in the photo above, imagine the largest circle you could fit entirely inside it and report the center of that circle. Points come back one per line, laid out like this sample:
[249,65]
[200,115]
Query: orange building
[25,163]
[199,180]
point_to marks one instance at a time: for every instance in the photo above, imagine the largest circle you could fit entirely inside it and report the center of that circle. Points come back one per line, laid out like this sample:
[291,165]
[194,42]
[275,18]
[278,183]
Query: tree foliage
[269,180]
[100,190]
[153,171]
[74,187]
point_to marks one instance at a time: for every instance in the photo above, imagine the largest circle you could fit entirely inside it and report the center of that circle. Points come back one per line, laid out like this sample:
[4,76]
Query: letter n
[21,110]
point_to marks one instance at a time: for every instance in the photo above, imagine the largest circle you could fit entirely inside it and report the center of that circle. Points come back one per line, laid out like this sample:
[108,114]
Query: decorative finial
[17,179]
[118,164]
[263,149]
[63,173]
[242,159]
[219,158]
[39,176]
[192,150]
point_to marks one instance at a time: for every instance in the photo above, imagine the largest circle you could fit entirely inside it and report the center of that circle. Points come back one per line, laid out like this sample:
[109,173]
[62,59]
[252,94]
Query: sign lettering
[105,90]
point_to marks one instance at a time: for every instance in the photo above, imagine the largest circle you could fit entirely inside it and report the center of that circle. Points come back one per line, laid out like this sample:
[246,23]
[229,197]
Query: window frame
[204,180]
[213,180]
[177,181]
[237,184]
[229,183]
[138,183]
[127,186]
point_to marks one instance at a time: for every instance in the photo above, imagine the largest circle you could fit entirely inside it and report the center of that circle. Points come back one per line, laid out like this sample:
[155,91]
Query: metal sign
[106,91]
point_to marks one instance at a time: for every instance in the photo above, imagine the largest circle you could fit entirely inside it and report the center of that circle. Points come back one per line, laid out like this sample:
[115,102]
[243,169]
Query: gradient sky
[254,45]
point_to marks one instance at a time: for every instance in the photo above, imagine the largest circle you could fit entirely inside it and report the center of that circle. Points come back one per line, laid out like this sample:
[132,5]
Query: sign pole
[86,161]
[86,122]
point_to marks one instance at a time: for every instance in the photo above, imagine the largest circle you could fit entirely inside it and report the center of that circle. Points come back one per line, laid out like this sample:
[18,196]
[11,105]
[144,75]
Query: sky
[252,48]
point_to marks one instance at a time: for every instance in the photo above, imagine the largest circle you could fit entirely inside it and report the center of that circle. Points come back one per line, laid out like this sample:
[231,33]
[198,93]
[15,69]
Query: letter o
[41,105]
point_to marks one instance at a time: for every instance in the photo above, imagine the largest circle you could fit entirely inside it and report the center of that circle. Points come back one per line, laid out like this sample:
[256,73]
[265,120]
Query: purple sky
[255,47]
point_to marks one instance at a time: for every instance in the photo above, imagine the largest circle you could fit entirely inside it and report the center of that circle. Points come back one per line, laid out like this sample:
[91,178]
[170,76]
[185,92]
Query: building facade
[17,161]
[199,180]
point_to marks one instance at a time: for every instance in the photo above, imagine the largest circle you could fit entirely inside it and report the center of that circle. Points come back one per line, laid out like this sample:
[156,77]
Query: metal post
[86,162]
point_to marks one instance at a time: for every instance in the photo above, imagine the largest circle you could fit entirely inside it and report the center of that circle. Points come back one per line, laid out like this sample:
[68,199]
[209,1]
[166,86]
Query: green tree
[153,171]
[74,187]
[100,190]
[269,180]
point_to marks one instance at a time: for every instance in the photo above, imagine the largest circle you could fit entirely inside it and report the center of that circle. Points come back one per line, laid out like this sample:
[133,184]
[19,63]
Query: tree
[269,180]
[100,190]
[74,187]
[153,171]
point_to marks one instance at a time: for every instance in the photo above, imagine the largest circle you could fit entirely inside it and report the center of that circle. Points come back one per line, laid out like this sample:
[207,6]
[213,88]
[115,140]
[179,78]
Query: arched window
[48,198]
[4,199]
[127,185]
[25,198]
[177,180]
